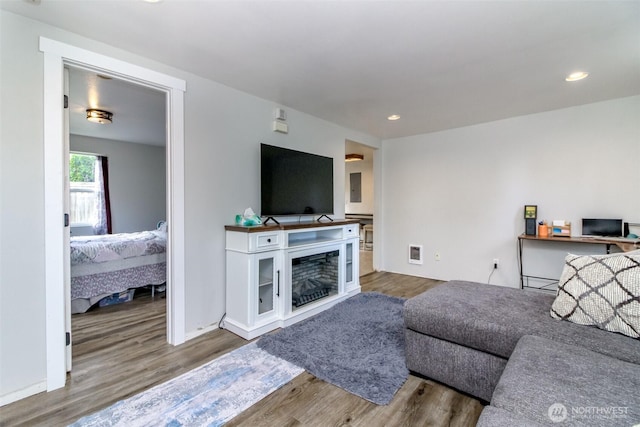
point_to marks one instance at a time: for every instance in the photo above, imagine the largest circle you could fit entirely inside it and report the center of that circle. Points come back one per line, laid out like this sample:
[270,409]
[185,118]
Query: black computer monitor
[601,227]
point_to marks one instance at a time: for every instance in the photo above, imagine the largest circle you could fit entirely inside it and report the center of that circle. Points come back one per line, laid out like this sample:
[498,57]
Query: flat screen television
[602,227]
[294,182]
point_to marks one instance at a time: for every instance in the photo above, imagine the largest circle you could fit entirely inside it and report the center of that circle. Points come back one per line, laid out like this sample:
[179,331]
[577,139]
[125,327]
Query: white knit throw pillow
[601,290]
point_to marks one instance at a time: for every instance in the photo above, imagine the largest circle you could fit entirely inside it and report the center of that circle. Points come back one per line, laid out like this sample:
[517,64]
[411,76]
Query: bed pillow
[602,291]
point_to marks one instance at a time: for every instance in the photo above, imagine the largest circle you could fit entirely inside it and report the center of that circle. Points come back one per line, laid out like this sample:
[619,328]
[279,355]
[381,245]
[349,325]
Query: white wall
[365,167]
[137,181]
[223,130]
[22,327]
[462,192]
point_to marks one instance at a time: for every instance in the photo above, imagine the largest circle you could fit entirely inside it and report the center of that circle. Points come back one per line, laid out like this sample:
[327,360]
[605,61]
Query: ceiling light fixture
[394,117]
[99,116]
[353,157]
[578,75]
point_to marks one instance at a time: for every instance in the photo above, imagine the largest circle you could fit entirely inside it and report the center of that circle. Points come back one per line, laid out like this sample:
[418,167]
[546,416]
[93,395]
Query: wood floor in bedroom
[121,350]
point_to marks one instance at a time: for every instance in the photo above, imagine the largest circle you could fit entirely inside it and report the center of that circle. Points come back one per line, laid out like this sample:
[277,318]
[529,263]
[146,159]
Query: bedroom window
[88,192]
[83,189]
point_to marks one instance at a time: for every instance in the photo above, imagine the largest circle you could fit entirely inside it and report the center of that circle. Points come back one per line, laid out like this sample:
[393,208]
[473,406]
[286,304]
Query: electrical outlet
[437,256]
[496,262]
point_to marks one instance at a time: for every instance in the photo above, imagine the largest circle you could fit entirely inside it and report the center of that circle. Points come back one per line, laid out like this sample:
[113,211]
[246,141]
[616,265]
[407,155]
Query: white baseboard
[21,394]
[200,331]
[251,333]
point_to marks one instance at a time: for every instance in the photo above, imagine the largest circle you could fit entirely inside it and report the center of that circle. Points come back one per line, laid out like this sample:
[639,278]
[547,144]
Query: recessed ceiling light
[578,75]
[393,117]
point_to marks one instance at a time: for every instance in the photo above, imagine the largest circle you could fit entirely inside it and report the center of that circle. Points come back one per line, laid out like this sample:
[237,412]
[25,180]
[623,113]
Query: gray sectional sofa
[502,346]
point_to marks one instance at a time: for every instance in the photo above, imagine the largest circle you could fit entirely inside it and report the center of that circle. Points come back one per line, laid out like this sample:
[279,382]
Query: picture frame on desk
[530,215]
[530,211]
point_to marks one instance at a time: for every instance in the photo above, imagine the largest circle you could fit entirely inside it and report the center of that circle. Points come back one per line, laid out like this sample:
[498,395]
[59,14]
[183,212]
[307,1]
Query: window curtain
[103,226]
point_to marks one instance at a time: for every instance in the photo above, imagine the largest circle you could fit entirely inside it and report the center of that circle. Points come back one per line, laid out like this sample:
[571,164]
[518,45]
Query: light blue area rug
[206,396]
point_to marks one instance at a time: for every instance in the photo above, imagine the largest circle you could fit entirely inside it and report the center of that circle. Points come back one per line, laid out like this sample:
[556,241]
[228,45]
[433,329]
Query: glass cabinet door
[268,287]
[351,266]
[349,260]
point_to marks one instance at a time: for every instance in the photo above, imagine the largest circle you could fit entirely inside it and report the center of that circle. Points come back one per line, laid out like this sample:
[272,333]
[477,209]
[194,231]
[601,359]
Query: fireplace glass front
[314,277]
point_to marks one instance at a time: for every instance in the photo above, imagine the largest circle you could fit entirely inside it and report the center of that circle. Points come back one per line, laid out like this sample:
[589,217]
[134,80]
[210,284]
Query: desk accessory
[530,216]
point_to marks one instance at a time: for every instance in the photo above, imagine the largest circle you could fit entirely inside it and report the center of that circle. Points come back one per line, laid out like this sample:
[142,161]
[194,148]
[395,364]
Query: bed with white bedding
[107,264]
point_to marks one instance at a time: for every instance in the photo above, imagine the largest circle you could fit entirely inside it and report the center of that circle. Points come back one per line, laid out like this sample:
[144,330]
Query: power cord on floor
[490,274]
[221,322]
[495,267]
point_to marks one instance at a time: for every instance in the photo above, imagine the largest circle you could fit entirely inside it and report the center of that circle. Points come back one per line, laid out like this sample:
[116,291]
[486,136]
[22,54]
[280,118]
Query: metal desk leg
[520,261]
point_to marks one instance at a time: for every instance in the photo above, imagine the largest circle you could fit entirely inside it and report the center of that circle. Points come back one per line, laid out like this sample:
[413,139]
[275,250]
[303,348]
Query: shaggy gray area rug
[357,345]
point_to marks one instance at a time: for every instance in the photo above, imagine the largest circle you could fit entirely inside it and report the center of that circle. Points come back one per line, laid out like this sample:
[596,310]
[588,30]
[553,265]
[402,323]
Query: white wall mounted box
[281,127]
[280,114]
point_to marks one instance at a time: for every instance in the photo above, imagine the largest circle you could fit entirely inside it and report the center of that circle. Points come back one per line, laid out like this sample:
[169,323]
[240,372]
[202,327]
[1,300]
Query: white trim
[22,393]
[201,331]
[175,218]
[88,59]
[56,54]
[53,221]
[378,200]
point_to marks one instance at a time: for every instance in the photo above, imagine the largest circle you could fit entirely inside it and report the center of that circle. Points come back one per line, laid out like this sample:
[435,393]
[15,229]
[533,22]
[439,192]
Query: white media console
[280,274]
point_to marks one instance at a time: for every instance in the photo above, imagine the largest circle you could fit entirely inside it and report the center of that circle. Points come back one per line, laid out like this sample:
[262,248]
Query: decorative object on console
[530,215]
[602,291]
[248,218]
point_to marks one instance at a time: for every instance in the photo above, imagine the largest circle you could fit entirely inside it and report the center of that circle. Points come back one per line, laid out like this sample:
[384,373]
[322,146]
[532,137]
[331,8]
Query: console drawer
[352,230]
[267,240]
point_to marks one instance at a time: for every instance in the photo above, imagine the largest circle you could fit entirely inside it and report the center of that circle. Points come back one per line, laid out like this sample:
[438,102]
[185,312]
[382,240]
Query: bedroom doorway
[129,168]
[117,201]
[56,56]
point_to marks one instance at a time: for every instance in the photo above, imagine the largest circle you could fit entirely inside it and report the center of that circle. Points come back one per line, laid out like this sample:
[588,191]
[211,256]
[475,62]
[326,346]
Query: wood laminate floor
[121,350]
[366,262]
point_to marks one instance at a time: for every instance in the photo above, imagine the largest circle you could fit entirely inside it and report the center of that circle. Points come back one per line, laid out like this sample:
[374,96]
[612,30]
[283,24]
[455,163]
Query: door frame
[56,55]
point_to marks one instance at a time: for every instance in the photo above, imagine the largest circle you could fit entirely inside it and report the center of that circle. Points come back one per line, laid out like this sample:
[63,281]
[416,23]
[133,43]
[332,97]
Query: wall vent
[415,254]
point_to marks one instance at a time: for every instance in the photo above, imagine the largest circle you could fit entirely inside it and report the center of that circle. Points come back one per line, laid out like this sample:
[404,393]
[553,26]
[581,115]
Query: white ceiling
[139,113]
[439,64]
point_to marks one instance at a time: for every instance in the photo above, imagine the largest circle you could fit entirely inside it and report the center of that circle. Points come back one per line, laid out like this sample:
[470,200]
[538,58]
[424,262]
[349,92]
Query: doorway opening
[117,206]
[56,56]
[359,198]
